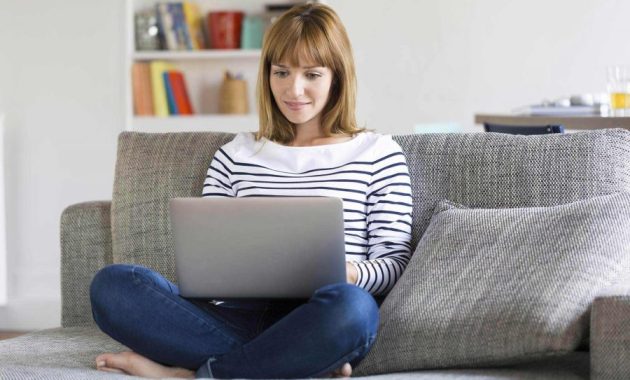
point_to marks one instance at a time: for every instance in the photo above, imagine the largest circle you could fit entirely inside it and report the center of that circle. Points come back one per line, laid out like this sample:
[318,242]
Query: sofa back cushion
[494,170]
[481,170]
[151,168]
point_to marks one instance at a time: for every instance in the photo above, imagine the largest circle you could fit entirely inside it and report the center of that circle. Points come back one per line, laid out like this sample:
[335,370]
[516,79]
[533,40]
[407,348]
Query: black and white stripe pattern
[369,173]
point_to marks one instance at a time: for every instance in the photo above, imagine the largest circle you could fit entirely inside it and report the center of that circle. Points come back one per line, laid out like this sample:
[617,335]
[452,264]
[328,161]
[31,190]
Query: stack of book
[557,110]
[159,89]
[574,105]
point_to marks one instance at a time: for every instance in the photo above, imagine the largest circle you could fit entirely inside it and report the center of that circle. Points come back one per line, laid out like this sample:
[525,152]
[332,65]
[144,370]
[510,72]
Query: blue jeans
[258,339]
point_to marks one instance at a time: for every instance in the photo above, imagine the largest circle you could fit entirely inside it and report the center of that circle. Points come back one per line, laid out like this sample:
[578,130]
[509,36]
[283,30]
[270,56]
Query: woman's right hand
[351,273]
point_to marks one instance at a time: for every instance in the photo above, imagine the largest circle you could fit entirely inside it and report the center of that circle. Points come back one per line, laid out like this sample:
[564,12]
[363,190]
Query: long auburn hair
[315,33]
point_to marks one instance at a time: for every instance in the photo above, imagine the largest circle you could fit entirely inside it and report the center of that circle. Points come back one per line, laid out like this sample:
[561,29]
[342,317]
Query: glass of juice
[619,90]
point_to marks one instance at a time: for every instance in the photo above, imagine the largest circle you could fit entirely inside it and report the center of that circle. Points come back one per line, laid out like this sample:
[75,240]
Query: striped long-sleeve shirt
[369,173]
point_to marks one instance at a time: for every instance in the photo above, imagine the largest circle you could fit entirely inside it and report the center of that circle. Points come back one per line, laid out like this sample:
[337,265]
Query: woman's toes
[346,370]
[343,371]
[113,362]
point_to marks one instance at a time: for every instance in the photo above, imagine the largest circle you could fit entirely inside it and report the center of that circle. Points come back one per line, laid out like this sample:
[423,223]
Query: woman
[308,144]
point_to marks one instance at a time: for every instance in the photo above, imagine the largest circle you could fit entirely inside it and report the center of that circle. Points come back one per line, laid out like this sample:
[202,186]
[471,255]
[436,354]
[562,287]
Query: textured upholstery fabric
[476,169]
[496,286]
[68,354]
[574,367]
[497,170]
[479,170]
[86,246]
[610,335]
[67,347]
[152,168]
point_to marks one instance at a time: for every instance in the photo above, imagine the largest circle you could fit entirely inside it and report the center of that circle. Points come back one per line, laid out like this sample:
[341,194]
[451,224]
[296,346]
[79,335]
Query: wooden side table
[569,122]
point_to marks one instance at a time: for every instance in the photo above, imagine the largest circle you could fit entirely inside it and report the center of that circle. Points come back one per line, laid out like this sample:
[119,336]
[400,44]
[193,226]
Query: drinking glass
[619,90]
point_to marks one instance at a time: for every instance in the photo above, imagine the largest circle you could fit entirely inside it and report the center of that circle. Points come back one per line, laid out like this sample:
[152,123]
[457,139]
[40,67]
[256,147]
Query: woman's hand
[351,273]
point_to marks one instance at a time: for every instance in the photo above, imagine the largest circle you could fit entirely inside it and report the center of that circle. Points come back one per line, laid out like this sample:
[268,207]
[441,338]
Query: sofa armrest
[610,334]
[86,246]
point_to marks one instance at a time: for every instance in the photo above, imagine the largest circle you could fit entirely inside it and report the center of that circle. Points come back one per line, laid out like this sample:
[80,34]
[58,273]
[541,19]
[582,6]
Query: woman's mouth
[296,106]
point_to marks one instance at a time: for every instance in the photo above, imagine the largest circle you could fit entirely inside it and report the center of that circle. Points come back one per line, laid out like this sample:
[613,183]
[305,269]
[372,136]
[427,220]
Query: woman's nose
[296,87]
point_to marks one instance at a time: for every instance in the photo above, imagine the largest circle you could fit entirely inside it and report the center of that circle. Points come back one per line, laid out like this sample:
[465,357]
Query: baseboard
[10,334]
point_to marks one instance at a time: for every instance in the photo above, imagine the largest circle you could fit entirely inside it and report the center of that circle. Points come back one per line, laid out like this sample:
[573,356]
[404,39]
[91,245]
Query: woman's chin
[299,121]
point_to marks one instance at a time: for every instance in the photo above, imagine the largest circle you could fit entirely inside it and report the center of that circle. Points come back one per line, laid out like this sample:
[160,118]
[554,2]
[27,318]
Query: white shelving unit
[203,70]
[195,55]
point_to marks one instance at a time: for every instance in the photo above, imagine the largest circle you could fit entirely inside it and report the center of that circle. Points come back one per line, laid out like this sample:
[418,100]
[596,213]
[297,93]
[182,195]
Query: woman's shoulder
[381,143]
[242,140]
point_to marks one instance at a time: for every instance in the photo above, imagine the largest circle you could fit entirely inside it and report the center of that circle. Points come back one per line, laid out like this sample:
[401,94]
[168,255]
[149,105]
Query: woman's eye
[312,76]
[280,74]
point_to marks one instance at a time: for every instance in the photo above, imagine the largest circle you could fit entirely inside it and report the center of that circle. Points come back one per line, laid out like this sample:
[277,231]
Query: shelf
[196,123]
[204,72]
[195,54]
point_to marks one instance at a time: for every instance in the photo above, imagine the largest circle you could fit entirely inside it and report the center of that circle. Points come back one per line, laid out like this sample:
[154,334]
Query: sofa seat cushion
[72,347]
[571,367]
[68,353]
[497,286]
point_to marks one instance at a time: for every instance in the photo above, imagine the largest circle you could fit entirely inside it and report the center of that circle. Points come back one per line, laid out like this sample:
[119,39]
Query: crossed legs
[172,336]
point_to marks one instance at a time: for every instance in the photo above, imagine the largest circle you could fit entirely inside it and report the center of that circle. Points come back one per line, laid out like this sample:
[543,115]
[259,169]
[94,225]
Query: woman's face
[301,92]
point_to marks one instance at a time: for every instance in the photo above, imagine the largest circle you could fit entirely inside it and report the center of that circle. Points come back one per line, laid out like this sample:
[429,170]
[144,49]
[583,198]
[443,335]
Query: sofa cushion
[73,347]
[497,286]
[476,169]
[68,353]
[495,170]
[571,367]
[151,168]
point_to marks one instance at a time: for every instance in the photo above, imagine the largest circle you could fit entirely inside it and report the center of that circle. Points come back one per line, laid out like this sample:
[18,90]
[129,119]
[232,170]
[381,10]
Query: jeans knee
[355,309]
[106,281]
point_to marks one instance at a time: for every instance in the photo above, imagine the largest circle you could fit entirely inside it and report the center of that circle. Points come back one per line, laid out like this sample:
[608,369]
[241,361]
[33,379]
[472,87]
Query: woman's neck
[308,133]
[307,138]
[320,140]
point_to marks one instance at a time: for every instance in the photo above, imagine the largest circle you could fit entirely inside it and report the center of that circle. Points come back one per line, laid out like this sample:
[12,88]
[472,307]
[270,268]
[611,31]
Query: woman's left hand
[351,273]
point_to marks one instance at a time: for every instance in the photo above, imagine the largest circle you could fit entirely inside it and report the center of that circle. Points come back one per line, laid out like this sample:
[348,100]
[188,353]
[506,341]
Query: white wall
[61,91]
[418,61]
[428,61]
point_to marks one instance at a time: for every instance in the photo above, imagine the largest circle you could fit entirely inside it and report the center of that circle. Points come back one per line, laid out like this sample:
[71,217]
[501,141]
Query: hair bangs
[307,44]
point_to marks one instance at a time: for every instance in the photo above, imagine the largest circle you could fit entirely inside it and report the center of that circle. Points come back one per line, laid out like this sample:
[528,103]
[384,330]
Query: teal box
[252,32]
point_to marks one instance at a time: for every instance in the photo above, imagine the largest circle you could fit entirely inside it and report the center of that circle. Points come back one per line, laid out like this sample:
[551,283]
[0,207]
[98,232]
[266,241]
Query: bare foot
[344,371]
[135,364]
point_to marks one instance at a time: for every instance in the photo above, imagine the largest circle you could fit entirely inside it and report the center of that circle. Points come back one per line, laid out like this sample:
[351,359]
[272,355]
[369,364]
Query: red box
[224,29]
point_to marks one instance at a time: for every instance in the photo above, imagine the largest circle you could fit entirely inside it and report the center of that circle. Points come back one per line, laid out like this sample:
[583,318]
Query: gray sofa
[477,170]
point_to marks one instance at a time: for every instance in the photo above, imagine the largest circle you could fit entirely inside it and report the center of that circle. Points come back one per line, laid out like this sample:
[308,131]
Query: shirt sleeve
[389,208]
[217,182]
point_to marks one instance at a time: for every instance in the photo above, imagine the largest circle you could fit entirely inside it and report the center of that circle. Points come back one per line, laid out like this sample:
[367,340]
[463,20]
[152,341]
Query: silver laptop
[257,247]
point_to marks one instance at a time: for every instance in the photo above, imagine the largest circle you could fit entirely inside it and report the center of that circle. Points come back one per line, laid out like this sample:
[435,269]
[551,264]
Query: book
[170,97]
[160,103]
[165,26]
[195,25]
[141,89]
[180,27]
[180,93]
